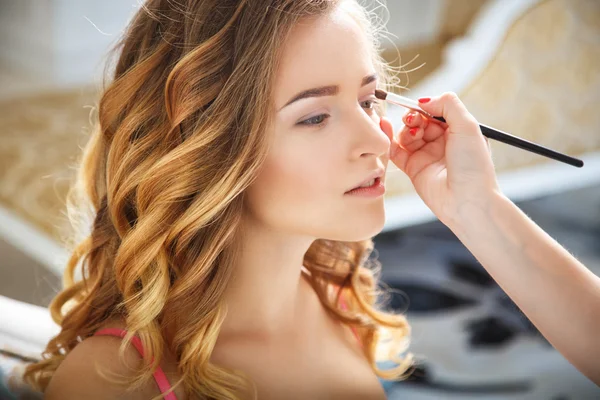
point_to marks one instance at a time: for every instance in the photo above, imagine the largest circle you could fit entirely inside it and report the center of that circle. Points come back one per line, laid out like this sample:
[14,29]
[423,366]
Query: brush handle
[515,141]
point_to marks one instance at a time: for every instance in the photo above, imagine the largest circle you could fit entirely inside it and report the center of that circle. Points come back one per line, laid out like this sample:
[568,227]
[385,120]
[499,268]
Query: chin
[361,227]
[366,233]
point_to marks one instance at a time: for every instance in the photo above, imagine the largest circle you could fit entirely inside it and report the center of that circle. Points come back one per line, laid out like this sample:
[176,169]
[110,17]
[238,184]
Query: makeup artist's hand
[451,169]
[449,165]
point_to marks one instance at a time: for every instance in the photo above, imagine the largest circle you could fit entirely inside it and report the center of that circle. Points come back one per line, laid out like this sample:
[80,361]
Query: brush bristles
[380,94]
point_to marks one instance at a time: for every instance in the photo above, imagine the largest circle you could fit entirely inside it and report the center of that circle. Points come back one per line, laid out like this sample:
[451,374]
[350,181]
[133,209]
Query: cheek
[293,181]
[299,178]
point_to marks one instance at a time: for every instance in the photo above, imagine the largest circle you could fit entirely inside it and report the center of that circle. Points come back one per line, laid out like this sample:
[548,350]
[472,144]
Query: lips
[374,175]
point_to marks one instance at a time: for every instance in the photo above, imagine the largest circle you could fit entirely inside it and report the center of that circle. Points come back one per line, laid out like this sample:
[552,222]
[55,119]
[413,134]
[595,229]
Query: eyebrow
[331,90]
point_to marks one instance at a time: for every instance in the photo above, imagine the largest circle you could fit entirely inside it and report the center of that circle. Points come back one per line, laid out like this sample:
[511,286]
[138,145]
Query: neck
[269,291]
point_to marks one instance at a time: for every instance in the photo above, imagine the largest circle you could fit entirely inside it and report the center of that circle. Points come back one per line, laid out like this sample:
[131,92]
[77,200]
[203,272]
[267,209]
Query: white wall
[56,40]
[413,21]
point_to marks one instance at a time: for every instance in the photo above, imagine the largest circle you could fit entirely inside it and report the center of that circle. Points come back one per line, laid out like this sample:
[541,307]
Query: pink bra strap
[345,307]
[159,375]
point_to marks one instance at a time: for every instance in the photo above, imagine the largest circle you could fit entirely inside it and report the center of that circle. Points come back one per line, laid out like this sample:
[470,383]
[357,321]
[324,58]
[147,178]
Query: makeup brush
[487,131]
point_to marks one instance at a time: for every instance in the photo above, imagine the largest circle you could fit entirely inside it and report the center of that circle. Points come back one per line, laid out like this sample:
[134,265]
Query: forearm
[556,292]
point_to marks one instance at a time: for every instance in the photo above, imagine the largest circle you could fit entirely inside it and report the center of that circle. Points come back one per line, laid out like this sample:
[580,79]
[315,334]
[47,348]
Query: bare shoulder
[77,376]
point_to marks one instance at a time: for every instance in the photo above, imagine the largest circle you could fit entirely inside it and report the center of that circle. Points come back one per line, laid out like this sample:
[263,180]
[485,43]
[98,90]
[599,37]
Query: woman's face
[326,142]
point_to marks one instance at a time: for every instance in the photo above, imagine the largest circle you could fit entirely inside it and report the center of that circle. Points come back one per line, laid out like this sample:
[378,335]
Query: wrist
[475,212]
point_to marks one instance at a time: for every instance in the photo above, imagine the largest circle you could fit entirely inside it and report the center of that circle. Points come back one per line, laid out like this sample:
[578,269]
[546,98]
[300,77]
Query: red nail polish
[413,131]
[424,99]
[409,118]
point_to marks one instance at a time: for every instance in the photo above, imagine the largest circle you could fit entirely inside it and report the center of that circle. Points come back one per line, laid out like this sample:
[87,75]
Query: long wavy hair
[179,136]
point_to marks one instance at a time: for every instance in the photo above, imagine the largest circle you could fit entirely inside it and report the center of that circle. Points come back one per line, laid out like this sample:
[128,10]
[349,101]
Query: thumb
[449,106]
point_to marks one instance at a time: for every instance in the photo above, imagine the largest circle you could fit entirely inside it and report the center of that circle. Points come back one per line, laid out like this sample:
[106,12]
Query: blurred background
[528,67]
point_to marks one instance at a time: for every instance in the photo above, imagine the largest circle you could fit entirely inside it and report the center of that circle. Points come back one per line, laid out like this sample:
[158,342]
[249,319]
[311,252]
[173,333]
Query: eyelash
[306,122]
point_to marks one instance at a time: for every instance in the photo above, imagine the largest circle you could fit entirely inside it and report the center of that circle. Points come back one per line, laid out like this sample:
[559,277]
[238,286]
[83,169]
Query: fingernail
[413,131]
[424,99]
[409,118]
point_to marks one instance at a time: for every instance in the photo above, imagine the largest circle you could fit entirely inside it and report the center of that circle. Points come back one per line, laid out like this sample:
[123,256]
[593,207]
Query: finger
[387,128]
[412,118]
[431,130]
[411,135]
[449,106]
[398,155]
[411,138]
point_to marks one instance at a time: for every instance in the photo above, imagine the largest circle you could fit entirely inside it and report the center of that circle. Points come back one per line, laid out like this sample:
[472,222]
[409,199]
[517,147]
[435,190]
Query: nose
[369,140]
